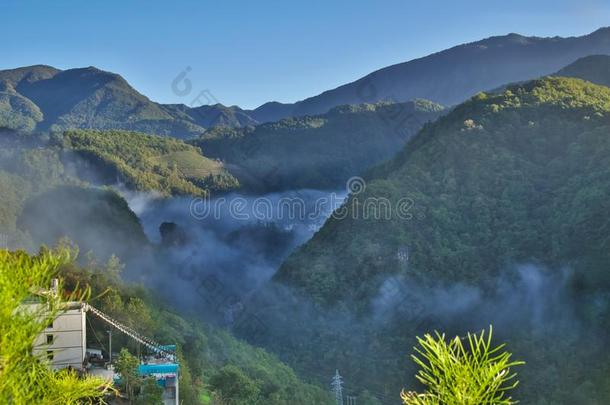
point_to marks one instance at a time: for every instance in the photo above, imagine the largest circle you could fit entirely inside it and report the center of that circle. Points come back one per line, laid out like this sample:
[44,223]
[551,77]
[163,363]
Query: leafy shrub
[25,377]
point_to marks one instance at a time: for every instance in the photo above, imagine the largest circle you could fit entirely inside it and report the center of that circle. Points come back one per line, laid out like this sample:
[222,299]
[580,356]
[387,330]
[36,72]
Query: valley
[279,246]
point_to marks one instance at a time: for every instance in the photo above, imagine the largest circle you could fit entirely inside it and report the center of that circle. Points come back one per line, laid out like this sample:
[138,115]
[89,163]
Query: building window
[50,325]
[50,355]
[49,339]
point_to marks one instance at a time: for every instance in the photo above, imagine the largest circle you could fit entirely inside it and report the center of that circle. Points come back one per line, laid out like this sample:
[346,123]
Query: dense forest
[317,151]
[45,199]
[44,173]
[147,162]
[508,203]
[518,155]
[213,363]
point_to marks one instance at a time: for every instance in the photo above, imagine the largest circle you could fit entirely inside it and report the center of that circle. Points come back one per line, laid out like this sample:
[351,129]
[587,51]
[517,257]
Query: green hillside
[487,183]
[41,202]
[318,151]
[206,353]
[504,180]
[99,220]
[17,112]
[594,68]
[45,176]
[147,162]
[26,170]
[47,99]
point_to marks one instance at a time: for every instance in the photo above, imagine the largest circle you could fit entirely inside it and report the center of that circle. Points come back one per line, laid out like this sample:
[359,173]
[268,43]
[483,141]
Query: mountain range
[45,98]
[48,99]
[321,151]
[494,213]
[516,154]
[452,75]
[497,203]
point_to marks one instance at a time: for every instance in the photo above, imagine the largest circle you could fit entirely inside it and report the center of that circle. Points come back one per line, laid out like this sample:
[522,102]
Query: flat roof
[165,368]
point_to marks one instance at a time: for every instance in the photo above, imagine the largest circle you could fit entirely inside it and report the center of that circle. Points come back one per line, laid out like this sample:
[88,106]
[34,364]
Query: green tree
[366,398]
[140,317]
[235,387]
[26,308]
[151,393]
[456,375]
[127,366]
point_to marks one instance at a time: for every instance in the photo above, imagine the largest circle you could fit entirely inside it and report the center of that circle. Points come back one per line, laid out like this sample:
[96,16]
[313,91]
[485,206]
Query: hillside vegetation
[26,170]
[504,180]
[43,98]
[47,193]
[99,219]
[594,68]
[488,182]
[206,353]
[147,162]
[318,151]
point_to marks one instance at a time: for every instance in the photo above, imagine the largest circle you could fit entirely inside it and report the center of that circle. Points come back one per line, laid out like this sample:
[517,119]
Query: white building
[64,341]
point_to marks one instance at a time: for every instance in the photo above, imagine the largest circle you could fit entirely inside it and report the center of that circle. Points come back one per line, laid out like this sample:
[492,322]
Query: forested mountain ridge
[42,97]
[43,202]
[47,99]
[320,151]
[485,181]
[506,224]
[594,68]
[50,186]
[143,162]
[453,75]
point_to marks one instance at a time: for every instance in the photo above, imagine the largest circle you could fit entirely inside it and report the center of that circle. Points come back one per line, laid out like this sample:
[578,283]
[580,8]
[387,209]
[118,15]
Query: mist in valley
[214,259]
[212,255]
[221,268]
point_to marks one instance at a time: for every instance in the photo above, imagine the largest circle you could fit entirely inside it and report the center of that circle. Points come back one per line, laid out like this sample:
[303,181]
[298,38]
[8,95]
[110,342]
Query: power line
[151,344]
[95,334]
[385,399]
[337,387]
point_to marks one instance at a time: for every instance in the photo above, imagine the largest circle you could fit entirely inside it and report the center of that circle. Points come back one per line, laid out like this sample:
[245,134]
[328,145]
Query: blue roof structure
[146,369]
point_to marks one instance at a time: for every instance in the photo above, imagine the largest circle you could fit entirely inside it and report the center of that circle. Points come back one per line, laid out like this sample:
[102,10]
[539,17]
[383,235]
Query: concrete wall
[68,337]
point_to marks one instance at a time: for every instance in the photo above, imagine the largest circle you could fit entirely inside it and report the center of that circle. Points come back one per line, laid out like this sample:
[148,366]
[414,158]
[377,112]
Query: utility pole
[337,387]
[109,345]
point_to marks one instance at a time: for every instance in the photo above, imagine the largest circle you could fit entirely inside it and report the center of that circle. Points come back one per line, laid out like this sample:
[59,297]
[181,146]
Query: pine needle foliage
[465,371]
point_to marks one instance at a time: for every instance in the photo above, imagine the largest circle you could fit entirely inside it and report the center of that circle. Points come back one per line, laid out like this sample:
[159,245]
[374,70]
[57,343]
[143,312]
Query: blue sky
[250,52]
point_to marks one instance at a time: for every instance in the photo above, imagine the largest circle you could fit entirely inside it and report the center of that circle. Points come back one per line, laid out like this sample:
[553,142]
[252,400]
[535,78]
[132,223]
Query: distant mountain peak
[601,31]
[92,98]
[453,75]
